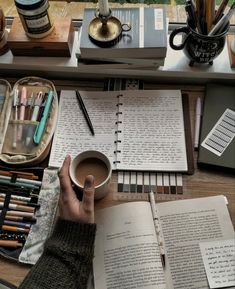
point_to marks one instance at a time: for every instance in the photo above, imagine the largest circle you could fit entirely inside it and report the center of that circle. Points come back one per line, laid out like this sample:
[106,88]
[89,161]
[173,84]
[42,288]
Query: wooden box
[58,43]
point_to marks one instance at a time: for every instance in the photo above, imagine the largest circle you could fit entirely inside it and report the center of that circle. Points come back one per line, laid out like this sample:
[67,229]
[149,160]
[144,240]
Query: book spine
[118,131]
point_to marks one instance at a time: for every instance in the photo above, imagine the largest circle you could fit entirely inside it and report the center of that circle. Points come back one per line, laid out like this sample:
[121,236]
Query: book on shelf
[138,130]
[126,247]
[146,39]
[217,136]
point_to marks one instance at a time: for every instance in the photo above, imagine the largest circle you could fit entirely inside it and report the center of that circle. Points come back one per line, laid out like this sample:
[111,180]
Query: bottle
[35,17]
[3,34]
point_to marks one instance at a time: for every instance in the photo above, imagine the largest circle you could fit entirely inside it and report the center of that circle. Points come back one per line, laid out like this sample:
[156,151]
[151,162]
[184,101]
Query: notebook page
[152,131]
[72,134]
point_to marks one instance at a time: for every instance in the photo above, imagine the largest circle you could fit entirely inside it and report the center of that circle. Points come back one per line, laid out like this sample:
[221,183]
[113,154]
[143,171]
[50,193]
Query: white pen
[158,228]
[15,105]
[23,100]
[197,122]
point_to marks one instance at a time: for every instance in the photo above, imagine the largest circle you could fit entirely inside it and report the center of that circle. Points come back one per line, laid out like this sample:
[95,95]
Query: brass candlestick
[105,31]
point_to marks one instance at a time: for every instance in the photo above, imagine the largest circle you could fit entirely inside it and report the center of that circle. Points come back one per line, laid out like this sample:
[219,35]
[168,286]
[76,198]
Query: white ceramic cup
[102,189]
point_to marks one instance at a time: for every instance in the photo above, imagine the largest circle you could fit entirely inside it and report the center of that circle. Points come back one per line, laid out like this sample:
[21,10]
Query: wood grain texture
[202,183]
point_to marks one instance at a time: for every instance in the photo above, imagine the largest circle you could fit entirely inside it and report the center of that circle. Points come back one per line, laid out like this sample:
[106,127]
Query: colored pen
[18,224]
[18,207]
[20,180]
[84,111]
[158,228]
[220,11]
[42,124]
[23,203]
[18,184]
[23,100]
[19,214]
[10,243]
[17,198]
[21,219]
[220,25]
[14,229]
[24,175]
[197,122]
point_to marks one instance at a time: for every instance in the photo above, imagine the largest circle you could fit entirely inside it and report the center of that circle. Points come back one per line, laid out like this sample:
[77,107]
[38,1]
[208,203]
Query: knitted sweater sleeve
[67,258]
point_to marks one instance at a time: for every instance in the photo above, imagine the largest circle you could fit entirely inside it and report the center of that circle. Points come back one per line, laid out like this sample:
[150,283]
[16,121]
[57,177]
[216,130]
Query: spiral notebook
[136,129]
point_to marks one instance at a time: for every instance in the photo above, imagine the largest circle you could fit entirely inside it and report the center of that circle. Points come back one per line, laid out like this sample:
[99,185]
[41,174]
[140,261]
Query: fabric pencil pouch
[28,210]
[30,116]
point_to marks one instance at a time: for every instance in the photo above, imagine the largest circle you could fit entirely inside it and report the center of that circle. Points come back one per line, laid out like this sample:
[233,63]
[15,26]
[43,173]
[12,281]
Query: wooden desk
[201,184]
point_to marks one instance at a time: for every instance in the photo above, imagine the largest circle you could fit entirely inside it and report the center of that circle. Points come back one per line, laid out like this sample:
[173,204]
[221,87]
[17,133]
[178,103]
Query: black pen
[83,108]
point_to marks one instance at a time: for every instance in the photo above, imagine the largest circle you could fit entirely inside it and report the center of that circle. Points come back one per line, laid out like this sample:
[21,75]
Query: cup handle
[174,33]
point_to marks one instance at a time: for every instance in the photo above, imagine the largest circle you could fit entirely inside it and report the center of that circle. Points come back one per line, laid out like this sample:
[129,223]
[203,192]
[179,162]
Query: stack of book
[145,45]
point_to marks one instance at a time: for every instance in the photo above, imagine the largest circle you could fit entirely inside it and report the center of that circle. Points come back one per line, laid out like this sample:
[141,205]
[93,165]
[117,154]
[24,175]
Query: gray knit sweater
[67,258]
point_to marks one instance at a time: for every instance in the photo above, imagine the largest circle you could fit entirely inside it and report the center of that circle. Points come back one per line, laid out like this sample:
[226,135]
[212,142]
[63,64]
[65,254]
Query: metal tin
[35,17]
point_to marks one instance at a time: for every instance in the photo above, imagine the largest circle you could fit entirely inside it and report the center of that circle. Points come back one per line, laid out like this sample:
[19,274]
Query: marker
[42,124]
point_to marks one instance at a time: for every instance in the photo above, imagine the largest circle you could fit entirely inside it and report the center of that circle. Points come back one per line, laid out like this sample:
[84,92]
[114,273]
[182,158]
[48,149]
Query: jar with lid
[35,17]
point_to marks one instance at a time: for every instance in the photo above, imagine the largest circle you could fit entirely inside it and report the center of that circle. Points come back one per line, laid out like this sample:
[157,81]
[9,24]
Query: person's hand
[70,207]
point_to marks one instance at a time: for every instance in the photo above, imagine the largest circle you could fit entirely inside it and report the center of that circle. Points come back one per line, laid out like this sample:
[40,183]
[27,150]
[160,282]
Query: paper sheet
[219,262]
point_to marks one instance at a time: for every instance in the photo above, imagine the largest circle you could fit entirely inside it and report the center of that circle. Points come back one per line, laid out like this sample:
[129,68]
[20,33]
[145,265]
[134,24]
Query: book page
[152,131]
[126,250]
[185,224]
[72,134]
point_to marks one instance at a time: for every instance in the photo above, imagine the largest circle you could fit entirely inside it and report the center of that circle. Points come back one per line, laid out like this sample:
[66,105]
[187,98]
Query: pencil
[85,113]
[158,228]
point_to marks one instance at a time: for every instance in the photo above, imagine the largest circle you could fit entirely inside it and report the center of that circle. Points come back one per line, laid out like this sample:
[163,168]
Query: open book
[126,249]
[137,130]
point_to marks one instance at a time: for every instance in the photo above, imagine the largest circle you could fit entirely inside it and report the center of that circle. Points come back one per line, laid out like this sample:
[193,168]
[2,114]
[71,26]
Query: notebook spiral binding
[118,130]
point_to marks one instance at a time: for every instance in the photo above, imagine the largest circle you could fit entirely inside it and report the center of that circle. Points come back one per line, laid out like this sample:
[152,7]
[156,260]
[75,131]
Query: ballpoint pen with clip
[15,105]
[23,99]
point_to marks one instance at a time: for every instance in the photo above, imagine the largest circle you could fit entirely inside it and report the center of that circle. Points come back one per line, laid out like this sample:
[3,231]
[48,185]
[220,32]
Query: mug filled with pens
[204,36]
[19,191]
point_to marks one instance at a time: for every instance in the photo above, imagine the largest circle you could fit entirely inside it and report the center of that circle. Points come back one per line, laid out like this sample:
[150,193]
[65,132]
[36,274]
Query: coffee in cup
[92,163]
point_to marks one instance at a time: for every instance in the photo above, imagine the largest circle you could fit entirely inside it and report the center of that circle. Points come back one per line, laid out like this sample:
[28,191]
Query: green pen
[42,124]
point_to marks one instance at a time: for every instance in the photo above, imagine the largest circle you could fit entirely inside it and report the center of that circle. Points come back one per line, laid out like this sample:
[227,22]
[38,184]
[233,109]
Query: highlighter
[42,124]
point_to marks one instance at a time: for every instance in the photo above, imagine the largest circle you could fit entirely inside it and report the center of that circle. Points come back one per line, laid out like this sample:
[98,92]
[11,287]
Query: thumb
[88,193]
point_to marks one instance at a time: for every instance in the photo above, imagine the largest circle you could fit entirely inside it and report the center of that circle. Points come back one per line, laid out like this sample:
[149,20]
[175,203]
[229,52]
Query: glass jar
[35,17]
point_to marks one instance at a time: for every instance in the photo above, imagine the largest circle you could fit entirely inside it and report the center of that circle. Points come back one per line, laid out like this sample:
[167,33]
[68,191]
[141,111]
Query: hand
[70,207]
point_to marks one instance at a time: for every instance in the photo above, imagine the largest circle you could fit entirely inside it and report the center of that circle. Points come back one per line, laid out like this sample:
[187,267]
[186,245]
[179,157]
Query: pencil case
[25,240]
[28,121]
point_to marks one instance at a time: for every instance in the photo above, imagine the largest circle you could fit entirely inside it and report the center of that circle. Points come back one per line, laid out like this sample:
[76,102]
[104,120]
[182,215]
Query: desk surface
[201,184]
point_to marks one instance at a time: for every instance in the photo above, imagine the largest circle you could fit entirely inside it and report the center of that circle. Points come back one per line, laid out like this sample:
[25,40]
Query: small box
[58,43]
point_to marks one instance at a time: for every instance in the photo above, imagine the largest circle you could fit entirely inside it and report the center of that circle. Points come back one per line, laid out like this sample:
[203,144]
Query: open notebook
[137,130]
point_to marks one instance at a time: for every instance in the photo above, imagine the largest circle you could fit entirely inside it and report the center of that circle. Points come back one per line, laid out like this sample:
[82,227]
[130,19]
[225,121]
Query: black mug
[197,47]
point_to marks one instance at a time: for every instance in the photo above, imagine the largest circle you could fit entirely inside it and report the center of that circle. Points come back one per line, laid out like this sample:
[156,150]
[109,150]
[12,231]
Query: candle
[103,7]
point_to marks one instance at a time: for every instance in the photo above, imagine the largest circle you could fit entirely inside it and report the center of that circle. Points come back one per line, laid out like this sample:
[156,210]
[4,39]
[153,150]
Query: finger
[88,193]
[65,182]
